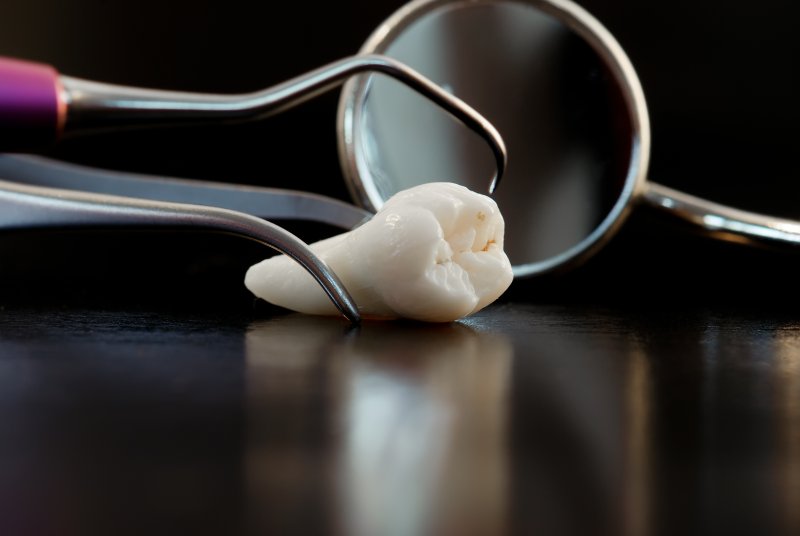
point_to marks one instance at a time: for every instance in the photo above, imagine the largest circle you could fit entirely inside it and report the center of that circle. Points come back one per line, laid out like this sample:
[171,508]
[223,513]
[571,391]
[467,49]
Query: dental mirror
[565,98]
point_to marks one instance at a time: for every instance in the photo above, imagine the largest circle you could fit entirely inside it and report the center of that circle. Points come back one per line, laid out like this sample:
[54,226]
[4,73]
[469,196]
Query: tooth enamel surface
[433,253]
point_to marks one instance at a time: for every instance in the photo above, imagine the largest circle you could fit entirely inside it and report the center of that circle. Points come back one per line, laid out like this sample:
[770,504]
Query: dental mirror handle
[720,221]
[37,105]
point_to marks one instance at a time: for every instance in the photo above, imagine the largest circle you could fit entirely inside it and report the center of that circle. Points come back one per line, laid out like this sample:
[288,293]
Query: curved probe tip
[501,159]
[456,107]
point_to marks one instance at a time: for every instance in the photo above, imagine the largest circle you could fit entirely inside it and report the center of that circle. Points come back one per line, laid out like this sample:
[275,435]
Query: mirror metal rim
[351,104]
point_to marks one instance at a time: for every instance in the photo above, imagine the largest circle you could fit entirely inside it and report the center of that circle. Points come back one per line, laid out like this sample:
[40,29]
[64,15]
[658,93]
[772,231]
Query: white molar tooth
[464,240]
[433,253]
[483,236]
[443,253]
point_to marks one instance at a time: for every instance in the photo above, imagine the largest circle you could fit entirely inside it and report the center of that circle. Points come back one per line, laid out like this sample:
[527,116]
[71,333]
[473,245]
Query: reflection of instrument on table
[37,106]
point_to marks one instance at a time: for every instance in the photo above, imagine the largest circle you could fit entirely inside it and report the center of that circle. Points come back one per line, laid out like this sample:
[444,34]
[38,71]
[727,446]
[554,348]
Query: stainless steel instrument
[37,106]
[570,107]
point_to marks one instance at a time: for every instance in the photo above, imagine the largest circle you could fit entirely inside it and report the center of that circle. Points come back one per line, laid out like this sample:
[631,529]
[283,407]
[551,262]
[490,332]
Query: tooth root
[281,281]
[433,253]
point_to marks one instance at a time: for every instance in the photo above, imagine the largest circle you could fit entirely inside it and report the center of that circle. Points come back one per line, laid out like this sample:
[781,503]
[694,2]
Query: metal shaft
[92,105]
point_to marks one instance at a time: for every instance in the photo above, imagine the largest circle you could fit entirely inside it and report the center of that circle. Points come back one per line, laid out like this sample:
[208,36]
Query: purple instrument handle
[32,109]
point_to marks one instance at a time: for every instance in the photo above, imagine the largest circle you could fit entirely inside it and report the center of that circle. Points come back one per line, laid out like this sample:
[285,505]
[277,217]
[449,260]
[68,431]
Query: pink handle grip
[32,111]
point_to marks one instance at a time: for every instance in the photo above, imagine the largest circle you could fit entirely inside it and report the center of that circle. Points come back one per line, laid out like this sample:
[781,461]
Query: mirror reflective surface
[546,90]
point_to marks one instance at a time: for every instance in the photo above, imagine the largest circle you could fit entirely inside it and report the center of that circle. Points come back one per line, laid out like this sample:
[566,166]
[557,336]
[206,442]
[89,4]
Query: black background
[719,78]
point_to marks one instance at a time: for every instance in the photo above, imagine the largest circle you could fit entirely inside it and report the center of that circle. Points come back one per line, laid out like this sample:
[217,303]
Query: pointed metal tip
[350,311]
[501,161]
[493,185]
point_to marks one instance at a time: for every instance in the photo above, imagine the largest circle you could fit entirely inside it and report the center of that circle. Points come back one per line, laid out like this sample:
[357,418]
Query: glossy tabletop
[524,419]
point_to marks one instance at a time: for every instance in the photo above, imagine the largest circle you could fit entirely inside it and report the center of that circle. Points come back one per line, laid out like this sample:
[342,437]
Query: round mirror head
[551,79]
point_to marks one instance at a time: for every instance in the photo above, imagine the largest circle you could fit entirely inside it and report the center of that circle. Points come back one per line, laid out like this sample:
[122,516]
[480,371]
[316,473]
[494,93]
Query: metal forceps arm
[264,203]
[26,207]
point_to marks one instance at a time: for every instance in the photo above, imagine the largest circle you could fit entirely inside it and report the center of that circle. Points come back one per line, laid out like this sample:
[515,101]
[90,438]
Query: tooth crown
[432,253]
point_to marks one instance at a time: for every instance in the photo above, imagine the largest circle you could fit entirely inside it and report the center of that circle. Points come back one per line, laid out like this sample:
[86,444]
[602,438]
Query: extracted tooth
[433,252]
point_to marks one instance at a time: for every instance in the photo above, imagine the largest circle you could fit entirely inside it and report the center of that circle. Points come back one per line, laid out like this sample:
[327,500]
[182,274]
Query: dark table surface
[524,419]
